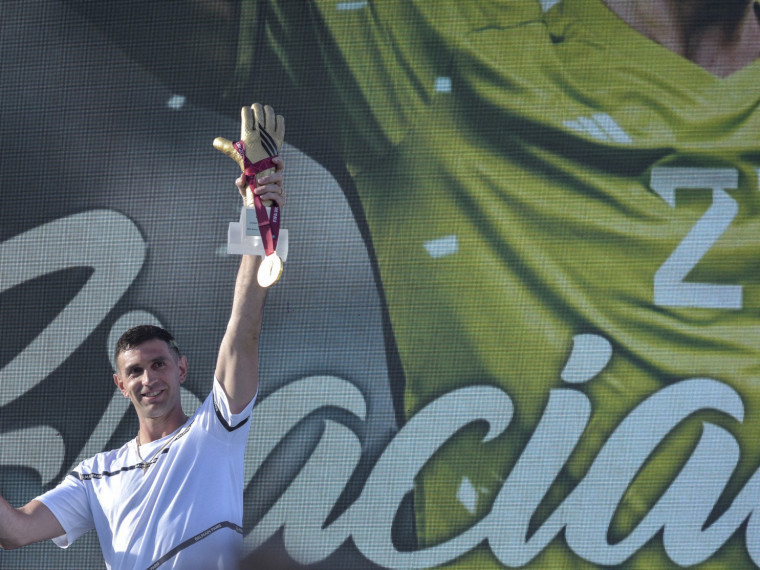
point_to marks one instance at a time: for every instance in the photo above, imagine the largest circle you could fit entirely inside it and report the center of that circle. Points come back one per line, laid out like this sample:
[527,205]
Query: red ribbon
[269,227]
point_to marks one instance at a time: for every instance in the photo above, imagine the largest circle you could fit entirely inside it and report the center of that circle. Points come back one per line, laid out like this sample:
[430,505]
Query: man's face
[150,375]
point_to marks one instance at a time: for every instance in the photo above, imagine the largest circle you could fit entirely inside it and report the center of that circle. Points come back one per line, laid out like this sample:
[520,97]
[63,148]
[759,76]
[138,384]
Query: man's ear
[120,385]
[182,363]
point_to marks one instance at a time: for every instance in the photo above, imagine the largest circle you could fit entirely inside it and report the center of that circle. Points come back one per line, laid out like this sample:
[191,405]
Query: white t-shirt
[184,511]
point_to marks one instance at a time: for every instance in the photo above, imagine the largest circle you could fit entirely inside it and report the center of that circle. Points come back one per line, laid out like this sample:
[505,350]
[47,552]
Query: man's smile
[151,395]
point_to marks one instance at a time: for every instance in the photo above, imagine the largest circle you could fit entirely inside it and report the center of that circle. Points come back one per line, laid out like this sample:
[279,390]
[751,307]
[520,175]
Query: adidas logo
[600,126]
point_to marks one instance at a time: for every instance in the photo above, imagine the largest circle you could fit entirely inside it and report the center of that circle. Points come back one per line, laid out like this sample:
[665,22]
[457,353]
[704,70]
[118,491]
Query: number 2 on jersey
[670,289]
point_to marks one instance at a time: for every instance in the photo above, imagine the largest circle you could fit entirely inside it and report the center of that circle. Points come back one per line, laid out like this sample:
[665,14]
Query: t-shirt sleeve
[218,420]
[69,504]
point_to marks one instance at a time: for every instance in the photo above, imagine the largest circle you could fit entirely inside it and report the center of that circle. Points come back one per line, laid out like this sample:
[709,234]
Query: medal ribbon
[269,228]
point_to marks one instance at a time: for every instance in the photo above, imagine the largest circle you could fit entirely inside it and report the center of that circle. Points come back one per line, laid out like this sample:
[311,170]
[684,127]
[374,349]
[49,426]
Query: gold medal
[269,270]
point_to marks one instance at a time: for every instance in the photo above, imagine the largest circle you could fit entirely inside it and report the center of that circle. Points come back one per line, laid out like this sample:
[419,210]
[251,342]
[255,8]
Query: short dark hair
[143,333]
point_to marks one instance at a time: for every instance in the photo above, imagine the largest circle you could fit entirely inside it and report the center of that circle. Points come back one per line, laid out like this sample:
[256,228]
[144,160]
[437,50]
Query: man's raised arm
[237,365]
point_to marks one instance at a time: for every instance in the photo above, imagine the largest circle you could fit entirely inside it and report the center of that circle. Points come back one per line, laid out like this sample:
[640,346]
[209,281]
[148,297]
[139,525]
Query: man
[568,175]
[172,496]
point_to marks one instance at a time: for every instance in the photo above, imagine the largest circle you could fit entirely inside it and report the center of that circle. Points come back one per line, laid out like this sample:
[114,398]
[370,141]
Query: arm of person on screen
[28,524]
[237,364]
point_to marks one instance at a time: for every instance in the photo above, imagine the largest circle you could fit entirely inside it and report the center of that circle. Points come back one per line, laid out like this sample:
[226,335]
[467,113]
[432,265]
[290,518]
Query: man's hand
[269,186]
[262,134]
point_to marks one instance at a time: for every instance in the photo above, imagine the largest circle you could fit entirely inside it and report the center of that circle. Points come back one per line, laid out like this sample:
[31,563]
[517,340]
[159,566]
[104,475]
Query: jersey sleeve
[69,504]
[215,417]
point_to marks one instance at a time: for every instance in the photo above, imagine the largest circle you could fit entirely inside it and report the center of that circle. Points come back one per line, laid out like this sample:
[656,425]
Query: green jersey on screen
[529,178]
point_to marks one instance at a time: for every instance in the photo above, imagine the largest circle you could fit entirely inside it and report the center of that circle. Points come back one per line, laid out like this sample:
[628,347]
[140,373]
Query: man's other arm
[31,523]
[238,361]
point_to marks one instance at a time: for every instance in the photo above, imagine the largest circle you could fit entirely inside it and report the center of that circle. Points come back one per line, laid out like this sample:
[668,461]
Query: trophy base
[243,237]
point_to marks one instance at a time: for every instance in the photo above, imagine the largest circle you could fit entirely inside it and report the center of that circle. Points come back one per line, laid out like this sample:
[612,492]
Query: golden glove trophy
[258,231]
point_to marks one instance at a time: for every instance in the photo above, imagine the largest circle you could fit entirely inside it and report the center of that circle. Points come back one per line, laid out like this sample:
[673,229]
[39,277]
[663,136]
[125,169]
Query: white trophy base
[243,237]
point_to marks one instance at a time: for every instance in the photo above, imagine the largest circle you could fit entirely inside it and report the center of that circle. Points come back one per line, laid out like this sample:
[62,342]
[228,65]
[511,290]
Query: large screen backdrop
[519,320]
